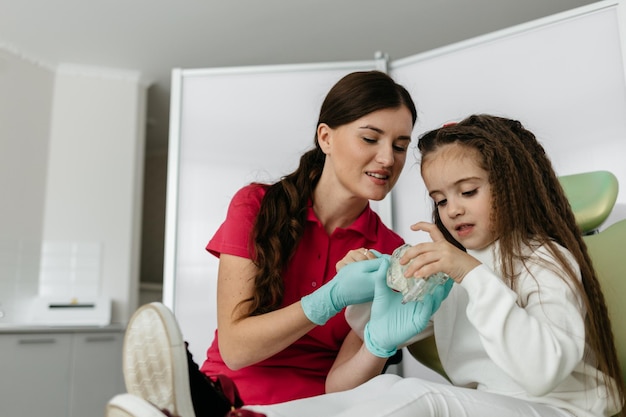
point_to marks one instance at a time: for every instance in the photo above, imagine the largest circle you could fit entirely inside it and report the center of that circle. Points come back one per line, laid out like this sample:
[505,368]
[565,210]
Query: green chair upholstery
[592,196]
[607,250]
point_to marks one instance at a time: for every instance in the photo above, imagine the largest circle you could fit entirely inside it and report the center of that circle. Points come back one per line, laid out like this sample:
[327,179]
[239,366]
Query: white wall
[71,165]
[562,77]
[94,180]
[26,90]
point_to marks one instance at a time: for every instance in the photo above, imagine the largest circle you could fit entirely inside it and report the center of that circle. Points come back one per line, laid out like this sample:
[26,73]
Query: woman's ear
[324,137]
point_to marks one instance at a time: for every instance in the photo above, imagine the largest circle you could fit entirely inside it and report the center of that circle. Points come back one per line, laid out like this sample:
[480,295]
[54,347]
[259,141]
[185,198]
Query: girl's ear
[324,137]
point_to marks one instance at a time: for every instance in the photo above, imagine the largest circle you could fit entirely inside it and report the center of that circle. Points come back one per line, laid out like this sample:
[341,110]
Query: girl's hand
[437,256]
[361,254]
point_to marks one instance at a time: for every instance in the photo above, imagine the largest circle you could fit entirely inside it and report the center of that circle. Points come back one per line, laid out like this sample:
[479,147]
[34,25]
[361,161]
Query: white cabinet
[60,373]
[35,374]
[96,372]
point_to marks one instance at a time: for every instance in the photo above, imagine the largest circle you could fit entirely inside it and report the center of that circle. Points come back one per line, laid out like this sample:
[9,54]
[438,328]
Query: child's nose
[454,208]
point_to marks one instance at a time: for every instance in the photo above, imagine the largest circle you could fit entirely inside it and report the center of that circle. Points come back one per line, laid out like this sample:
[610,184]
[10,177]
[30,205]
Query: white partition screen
[229,127]
[562,77]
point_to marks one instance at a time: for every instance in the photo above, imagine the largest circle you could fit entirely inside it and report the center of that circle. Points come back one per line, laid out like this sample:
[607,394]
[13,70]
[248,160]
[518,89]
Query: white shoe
[155,361]
[128,405]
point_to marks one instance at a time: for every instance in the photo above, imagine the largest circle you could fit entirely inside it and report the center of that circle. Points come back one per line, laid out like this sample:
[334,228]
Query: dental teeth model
[412,289]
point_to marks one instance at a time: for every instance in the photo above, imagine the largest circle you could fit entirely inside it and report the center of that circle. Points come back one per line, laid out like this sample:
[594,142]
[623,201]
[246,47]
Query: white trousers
[392,395]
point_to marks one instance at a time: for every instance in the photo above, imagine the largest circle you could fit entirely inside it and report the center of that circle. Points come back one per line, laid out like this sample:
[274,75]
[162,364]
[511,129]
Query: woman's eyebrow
[380,131]
[370,127]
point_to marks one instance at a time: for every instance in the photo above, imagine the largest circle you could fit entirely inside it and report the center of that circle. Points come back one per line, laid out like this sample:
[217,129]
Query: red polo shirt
[300,370]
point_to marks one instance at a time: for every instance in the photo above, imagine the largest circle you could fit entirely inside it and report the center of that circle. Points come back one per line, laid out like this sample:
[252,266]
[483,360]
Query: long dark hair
[280,222]
[529,207]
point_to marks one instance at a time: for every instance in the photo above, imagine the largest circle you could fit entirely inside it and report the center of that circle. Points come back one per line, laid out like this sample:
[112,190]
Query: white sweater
[527,344]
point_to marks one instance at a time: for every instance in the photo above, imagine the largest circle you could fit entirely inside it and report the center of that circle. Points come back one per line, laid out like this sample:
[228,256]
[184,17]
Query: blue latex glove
[393,323]
[353,284]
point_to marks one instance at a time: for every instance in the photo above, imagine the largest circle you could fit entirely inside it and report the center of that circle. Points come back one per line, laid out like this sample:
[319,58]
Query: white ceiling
[155,36]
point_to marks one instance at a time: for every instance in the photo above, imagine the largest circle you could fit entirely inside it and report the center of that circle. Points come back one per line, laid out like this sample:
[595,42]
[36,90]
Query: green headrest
[592,196]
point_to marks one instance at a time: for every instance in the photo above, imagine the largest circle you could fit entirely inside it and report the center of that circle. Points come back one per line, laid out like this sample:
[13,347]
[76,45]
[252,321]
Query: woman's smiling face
[365,157]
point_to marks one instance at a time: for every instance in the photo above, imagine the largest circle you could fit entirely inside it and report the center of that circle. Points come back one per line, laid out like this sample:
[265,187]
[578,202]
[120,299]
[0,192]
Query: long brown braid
[529,209]
[281,219]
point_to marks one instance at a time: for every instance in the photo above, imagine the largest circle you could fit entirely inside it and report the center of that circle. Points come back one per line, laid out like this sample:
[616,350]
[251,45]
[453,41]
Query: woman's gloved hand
[353,284]
[393,323]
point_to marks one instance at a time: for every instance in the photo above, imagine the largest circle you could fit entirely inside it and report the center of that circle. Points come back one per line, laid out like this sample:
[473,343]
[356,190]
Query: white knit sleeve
[535,335]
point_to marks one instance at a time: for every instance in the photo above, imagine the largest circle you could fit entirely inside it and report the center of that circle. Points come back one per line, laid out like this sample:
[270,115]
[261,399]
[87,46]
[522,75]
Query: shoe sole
[155,360]
[127,405]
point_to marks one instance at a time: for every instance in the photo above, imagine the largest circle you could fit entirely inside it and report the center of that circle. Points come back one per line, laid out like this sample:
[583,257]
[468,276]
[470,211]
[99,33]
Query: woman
[279,336]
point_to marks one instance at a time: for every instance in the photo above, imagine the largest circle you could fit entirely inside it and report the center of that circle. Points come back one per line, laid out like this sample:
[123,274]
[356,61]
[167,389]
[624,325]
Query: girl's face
[462,194]
[365,158]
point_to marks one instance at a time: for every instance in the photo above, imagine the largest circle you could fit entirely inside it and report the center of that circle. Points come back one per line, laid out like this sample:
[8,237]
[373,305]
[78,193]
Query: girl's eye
[369,140]
[470,193]
[440,203]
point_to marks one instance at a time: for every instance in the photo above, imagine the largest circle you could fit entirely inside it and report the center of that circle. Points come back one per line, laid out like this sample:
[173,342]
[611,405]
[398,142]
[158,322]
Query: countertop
[24,328]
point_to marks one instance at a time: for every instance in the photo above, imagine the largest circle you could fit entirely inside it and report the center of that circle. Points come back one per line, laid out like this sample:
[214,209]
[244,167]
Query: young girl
[524,330]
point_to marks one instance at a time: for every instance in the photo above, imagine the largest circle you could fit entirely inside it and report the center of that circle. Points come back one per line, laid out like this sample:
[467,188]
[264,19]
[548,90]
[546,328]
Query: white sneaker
[128,405]
[155,361]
